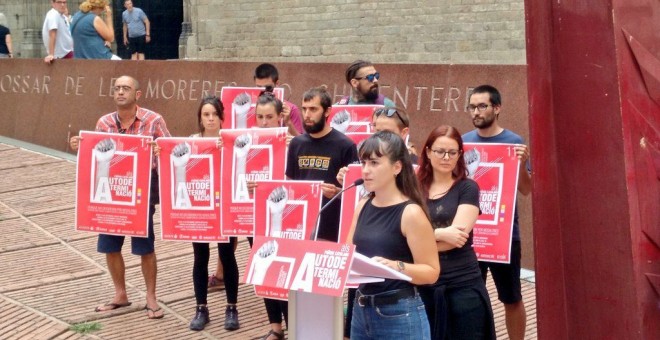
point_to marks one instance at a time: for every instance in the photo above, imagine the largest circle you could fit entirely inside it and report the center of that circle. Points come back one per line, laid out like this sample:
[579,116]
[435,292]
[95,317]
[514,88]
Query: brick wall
[401,31]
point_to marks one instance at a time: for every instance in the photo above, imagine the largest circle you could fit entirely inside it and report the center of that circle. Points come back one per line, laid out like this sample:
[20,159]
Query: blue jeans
[405,319]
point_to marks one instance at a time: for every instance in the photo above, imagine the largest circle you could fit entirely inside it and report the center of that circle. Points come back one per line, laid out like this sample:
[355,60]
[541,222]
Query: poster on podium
[495,168]
[287,210]
[113,176]
[278,265]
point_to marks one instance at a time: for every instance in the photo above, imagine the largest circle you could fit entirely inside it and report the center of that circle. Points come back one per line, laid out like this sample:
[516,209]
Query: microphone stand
[315,234]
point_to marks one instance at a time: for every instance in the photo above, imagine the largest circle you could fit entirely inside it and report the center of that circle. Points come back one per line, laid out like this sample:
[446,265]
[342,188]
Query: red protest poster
[495,168]
[113,175]
[352,118]
[277,265]
[239,103]
[189,179]
[285,209]
[248,155]
[349,200]
[358,137]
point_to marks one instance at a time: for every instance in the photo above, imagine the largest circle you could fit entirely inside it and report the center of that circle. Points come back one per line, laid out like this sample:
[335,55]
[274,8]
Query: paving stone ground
[52,276]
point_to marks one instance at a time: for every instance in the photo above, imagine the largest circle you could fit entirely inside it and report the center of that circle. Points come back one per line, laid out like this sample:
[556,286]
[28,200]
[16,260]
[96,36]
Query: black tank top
[378,233]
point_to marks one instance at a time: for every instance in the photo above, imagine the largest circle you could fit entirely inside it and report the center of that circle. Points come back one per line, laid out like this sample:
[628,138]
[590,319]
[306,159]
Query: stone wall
[25,19]
[384,31]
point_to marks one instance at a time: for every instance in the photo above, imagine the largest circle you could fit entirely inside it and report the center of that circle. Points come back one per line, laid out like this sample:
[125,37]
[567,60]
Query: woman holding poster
[269,113]
[210,116]
[457,305]
[392,227]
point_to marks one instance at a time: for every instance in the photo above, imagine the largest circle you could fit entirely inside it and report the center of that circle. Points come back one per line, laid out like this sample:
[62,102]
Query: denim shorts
[405,319]
[139,245]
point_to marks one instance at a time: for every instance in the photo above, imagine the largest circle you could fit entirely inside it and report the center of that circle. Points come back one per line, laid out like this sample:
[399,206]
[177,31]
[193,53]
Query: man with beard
[318,154]
[363,78]
[485,107]
[133,120]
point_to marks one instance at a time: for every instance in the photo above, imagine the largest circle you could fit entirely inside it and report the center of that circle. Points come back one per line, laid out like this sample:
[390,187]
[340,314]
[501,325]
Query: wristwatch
[401,266]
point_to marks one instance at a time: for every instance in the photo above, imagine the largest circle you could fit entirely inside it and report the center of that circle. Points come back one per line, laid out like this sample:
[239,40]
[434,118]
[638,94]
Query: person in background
[5,39]
[485,107]
[55,33]
[137,30]
[267,75]
[92,35]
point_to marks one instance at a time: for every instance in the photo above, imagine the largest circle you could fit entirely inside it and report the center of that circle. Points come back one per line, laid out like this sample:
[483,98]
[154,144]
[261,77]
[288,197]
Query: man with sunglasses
[363,78]
[131,119]
[485,104]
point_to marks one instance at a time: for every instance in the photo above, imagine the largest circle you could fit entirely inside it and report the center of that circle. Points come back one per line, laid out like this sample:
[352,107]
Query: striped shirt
[147,123]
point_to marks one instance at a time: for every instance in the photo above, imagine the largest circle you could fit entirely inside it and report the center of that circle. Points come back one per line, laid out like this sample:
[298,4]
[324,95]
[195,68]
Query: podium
[312,275]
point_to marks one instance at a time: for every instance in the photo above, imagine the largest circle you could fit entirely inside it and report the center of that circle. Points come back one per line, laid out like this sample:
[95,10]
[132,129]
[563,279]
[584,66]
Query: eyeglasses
[442,153]
[389,113]
[125,88]
[369,77]
[61,2]
[481,107]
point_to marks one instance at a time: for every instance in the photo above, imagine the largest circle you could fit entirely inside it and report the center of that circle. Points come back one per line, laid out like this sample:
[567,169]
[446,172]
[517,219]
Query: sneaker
[201,319]
[231,318]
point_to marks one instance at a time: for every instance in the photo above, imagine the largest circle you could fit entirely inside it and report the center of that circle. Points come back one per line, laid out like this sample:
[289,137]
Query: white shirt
[63,41]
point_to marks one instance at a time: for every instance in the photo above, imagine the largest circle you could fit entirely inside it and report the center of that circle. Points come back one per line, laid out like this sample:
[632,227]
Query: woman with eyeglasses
[457,305]
[391,226]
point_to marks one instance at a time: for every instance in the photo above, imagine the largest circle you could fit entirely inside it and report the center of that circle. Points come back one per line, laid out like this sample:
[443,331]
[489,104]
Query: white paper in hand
[364,266]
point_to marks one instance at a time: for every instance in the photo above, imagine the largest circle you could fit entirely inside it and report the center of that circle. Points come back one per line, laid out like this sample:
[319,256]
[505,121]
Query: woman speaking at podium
[392,227]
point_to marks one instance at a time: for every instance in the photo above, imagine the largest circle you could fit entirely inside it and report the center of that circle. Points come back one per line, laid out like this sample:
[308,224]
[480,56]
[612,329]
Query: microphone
[315,234]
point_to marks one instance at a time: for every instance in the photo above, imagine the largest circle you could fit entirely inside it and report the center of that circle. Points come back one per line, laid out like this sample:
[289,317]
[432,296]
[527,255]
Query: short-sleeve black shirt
[459,264]
[319,159]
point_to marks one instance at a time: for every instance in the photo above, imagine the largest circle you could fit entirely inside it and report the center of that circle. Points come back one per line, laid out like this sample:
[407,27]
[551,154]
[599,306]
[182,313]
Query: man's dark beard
[316,127]
[485,123]
[372,94]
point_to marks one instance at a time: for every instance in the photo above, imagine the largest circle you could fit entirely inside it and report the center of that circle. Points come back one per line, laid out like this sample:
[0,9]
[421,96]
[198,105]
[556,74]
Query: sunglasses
[389,113]
[369,77]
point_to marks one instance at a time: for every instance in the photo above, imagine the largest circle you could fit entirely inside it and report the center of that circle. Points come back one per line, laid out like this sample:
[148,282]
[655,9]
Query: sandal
[111,306]
[153,315]
[278,336]
[215,281]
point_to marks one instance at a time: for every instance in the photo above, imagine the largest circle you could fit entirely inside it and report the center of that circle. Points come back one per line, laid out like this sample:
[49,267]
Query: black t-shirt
[319,159]
[458,264]
[4,31]
[378,233]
